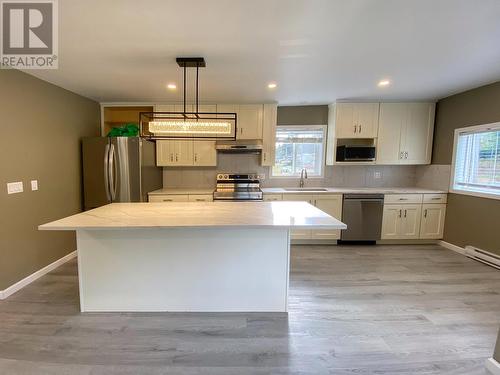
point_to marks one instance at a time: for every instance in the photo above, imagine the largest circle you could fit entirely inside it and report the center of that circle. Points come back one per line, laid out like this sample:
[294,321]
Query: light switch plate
[14,187]
[34,185]
[377,175]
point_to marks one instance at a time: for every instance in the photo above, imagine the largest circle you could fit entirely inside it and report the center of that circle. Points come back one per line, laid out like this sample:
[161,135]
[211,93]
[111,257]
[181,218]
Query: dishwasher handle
[364,197]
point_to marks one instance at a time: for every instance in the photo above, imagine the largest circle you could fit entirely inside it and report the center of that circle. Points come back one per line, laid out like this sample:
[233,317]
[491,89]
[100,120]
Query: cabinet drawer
[201,198]
[435,198]
[168,198]
[272,197]
[402,198]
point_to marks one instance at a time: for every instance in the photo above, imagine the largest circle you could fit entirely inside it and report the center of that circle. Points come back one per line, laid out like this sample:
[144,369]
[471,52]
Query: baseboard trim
[36,275]
[493,366]
[452,247]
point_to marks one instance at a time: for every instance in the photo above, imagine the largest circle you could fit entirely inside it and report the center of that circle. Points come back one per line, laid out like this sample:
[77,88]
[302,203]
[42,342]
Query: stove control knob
[226,176]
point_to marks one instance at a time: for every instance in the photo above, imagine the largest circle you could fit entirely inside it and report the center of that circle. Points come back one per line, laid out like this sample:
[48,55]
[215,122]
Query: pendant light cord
[197,69]
[184,90]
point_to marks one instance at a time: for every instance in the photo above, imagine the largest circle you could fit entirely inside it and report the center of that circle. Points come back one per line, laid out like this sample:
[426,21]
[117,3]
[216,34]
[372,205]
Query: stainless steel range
[238,187]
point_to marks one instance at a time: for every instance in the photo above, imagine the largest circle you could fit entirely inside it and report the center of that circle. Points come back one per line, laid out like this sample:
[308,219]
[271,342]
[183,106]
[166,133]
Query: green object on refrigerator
[127,130]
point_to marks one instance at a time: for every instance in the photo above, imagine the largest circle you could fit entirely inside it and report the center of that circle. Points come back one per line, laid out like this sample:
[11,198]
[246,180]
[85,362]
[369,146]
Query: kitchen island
[210,257]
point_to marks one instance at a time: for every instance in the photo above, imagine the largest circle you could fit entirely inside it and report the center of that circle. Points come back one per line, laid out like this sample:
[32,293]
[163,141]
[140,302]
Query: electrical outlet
[34,185]
[377,175]
[14,187]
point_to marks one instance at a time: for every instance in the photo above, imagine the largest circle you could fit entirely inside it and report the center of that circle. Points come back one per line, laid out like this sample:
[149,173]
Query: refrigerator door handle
[106,172]
[112,172]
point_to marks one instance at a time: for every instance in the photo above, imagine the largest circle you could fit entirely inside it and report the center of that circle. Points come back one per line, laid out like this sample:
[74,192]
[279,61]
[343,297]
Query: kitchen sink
[305,189]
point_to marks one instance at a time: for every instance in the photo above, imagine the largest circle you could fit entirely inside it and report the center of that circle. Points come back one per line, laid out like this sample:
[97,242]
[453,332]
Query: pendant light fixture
[188,124]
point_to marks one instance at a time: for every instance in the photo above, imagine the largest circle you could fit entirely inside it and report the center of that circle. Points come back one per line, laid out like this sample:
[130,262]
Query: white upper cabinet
[418,134]
[185,153]
[356,120]
[405,133]
[270,118]
[391,123]
[204,153]
[173,153]
[250,121]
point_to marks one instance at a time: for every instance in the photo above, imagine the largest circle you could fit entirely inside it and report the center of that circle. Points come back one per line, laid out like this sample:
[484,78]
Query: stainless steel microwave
[355,153]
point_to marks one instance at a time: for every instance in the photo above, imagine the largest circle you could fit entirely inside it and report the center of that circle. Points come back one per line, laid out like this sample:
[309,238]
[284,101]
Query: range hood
[240,147]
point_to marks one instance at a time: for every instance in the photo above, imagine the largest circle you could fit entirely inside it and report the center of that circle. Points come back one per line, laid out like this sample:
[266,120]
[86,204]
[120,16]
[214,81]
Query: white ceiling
[317,51]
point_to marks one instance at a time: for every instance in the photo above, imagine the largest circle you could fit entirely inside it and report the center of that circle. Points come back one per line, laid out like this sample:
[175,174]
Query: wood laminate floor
[353,310]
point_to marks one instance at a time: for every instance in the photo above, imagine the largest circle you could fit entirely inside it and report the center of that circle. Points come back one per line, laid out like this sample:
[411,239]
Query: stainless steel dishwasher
[363,215]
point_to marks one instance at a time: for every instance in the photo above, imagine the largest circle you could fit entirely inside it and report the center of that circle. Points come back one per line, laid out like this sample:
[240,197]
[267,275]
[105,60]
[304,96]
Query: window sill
[475,194]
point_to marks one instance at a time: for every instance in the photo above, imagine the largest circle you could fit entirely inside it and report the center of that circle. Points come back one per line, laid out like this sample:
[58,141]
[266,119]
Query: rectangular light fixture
[171,125]
[185,127]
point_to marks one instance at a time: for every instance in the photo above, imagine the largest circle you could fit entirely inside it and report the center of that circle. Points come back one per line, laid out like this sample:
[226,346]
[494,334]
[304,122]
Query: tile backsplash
[434,176]
[342,176]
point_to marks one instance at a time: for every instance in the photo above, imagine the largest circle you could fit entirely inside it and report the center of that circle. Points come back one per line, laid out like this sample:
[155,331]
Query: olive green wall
[469,220]
[303,115]
[497,349]
[41,129]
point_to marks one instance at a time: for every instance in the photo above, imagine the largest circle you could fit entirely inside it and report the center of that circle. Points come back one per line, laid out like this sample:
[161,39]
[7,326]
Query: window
[476,161]
[299,147]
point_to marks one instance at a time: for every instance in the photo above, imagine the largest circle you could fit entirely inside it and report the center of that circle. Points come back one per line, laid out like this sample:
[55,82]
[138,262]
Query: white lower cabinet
[413,221]
[329,203]
[332,205]
[391,222]
[299,234]
[432,224]
[272,197]
[169,198]
[401,221]
[181,198]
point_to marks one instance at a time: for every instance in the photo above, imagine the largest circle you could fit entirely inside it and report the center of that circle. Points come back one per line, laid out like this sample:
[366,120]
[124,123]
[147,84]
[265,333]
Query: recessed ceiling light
[172,86]
[272,85]
[384,82]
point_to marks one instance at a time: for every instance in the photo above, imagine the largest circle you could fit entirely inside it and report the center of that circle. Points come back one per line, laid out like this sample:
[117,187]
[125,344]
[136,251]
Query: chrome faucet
[303,175]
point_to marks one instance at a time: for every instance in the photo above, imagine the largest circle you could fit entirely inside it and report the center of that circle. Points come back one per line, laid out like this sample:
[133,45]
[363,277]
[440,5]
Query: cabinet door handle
[435,199]
[196,157]
[406,154]
[200,200]
[400,212]
[359,130]
[403,199]
[167,200]
[171,157]
[355,128]
[401,155]
[405,213]
[176,157]
[265,156]
[425,212]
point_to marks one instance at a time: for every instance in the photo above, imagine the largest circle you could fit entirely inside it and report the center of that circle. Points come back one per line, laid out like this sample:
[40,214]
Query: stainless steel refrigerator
[118,169]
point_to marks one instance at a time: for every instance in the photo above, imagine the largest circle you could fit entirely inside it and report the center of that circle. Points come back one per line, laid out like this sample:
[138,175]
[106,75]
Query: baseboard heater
[483,256]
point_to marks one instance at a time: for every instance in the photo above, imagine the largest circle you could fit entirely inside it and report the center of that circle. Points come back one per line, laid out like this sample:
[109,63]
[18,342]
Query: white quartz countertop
[181,191]
[353,190]
[308,190]
[196,215]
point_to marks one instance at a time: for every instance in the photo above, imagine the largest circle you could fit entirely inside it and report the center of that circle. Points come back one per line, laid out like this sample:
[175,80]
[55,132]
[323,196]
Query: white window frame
[323,156]
[479,128]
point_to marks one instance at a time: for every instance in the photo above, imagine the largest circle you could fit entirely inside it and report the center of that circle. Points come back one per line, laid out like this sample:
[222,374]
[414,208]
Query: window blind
[299,136]
[477,161]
